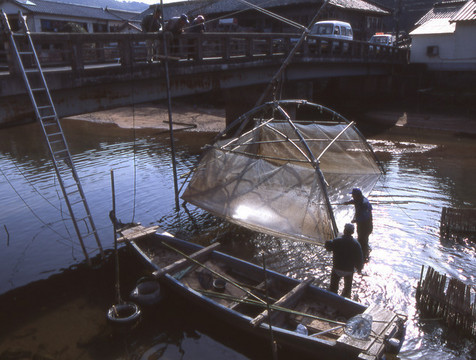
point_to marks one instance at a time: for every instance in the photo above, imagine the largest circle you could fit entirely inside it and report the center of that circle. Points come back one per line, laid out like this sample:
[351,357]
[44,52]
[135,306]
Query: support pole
[274,346]
[169,105]
[288,59]
[116,255]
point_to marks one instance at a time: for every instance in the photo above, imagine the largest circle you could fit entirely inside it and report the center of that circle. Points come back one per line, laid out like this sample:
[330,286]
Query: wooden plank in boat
[295,292]
[136,232]
[184,262]
[382,319]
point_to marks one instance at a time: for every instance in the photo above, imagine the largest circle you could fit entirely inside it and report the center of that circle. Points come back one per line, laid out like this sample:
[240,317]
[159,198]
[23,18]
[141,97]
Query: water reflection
[36,238]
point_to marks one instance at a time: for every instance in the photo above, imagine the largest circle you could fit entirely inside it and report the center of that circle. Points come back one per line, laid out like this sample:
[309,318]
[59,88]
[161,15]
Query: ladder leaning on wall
[23,50]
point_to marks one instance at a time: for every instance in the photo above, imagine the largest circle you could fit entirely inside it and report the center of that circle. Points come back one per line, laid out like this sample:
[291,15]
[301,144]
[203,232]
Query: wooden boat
[304,318]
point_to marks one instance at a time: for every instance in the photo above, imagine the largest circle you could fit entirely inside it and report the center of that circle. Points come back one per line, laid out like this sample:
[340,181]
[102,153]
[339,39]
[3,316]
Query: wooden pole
[272,306]
[274,345]
[116,255]
[169,105]
[288,59]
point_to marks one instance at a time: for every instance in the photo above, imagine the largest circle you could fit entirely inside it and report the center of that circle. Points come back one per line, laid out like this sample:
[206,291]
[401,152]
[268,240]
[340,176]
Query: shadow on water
[64,317]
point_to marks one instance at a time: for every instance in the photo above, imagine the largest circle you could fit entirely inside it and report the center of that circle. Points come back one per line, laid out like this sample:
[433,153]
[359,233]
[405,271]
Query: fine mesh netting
[284,176]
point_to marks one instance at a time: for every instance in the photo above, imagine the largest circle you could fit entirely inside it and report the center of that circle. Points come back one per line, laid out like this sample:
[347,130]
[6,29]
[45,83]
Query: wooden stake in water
[116,255]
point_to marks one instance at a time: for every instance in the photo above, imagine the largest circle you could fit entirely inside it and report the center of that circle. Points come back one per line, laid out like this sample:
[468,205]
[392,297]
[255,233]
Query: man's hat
[356,191]
[349,228]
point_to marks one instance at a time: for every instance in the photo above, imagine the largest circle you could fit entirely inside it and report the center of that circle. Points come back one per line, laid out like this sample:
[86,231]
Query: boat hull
[246,317]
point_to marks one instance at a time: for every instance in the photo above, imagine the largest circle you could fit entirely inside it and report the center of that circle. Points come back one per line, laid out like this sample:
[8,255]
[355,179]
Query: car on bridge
[324,32]
[333,29]
[381,39]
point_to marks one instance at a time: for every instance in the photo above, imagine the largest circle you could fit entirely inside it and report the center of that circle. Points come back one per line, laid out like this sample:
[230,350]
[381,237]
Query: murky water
[53,308]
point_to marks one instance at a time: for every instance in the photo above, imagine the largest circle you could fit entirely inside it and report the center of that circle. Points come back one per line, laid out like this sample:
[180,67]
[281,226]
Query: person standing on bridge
[152,23]
[175,27]
[196,27]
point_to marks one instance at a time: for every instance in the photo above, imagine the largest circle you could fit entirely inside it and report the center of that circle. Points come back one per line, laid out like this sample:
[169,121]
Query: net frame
[248,144]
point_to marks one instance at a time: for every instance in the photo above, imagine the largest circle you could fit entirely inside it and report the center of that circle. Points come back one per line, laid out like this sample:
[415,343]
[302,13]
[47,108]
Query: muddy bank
[211,119]
[156,116]
[404,121]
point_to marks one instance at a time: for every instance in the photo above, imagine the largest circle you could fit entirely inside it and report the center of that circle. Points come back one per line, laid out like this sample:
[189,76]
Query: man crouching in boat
[347,257]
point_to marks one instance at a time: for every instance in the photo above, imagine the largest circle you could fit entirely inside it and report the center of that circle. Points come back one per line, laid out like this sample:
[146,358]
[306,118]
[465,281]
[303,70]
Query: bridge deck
[91,72]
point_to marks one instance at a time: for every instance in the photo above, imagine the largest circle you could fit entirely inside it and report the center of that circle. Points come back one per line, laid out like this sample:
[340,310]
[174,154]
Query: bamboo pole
[274,345]
[272,306]
[116,255]
[214,272]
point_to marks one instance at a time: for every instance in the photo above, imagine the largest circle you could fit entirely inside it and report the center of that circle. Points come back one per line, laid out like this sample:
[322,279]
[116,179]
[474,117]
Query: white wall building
[445,39]
[51,16]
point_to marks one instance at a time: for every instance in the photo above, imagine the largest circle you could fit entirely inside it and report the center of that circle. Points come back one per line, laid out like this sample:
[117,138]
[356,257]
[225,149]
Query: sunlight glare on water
[421,177]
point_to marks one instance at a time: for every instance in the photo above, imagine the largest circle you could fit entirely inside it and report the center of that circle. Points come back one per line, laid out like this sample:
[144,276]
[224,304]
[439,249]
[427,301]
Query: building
[405,13]
[51,16]
[364,16]
[445,37]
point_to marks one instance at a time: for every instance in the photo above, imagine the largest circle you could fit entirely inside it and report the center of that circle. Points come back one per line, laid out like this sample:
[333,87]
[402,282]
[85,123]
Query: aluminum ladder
[24,53]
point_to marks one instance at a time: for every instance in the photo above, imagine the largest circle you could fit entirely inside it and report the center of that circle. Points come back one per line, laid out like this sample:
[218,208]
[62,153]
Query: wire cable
[35,189]
[30,208]
[385,188]
[274,15]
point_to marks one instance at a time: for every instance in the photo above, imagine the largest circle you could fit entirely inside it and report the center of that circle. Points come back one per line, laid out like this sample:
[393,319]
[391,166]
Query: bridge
[91,72]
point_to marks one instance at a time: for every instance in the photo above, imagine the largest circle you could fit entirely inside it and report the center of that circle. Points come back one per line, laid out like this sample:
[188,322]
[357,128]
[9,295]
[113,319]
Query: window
[61,26]
[99,28]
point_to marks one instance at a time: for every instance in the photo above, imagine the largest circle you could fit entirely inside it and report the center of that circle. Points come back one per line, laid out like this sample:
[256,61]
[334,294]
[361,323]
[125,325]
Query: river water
[54,307]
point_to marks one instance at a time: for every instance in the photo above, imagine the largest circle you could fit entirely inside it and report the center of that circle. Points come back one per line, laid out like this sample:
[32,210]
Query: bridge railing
[77,52]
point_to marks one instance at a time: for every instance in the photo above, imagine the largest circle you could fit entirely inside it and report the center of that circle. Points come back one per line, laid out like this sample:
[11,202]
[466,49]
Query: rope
[47,225]
[36,190]
[406,214]
[274,15]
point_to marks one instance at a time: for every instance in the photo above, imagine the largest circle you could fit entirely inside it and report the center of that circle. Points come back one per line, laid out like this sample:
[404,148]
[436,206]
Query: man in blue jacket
[362,217]
[347,256]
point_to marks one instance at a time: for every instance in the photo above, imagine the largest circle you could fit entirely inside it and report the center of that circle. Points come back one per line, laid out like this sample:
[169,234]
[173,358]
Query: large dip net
[283,168]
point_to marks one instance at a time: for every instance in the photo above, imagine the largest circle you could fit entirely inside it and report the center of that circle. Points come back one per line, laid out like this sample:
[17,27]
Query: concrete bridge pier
[240,100]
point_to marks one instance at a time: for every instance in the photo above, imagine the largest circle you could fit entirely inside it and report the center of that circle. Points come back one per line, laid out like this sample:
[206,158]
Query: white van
[332,29]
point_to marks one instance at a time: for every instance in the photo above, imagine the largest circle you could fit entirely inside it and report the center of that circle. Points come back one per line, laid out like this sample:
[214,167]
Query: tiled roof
[442,10]
[467,12]
[435,26]
[122,14]
[63,9]
[359,5]
[229,6]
